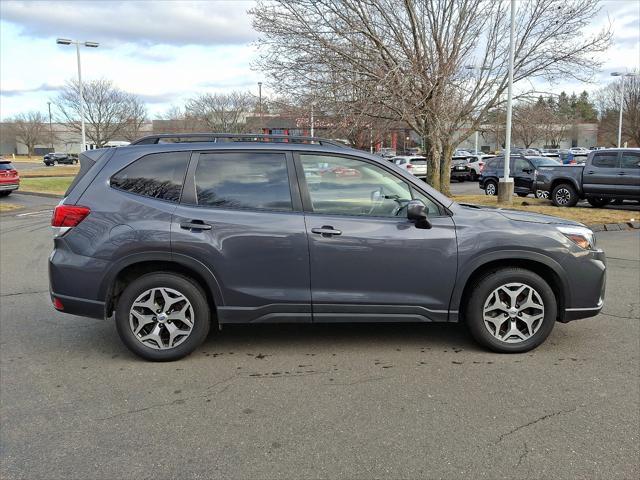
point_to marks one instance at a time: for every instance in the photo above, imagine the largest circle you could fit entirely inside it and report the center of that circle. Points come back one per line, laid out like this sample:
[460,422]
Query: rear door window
[630,160]
[158,175]
[605,160]
[247,180]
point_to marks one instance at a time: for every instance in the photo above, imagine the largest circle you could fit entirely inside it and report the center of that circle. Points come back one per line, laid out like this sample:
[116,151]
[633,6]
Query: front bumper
[587,281]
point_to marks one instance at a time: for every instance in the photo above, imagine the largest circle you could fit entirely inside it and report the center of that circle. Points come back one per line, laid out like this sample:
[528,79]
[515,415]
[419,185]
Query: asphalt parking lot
[365,401]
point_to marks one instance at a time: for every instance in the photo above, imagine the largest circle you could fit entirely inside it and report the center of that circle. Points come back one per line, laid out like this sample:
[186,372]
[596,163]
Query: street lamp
[66,41]
[260,99]
[505,185]
[622,74]
[50,127]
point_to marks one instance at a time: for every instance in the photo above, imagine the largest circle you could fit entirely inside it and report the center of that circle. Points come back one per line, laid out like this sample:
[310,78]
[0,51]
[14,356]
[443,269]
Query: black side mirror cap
[417,213]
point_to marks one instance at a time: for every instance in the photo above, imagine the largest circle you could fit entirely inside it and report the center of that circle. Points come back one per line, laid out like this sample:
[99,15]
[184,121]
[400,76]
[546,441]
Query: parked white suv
[413,164]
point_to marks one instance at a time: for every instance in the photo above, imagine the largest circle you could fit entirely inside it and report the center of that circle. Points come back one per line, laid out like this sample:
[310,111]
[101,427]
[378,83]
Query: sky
[168,51]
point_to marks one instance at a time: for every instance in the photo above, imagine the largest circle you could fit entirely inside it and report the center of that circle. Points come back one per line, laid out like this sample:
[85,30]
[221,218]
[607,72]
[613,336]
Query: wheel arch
[551,271]
[571,181]
[134,266]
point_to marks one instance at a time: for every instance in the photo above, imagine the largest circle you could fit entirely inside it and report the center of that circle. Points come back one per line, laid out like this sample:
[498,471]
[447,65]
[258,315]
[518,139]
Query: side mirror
[417,212]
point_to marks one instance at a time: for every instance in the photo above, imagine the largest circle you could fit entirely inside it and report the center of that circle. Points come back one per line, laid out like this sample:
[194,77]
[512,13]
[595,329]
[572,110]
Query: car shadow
[325,337]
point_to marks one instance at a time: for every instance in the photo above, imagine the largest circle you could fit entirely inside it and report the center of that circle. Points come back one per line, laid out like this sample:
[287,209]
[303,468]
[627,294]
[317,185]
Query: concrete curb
[614,227]
[37,194]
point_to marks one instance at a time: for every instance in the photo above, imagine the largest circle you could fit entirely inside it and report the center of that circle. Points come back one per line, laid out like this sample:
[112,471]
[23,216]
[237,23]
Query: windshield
[544,162]
[418,161]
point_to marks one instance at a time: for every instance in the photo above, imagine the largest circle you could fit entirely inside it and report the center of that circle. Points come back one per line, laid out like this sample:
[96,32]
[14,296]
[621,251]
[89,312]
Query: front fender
[515,256]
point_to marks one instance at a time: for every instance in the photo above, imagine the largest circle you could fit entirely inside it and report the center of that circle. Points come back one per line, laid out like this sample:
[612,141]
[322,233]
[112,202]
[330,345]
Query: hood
[530,217]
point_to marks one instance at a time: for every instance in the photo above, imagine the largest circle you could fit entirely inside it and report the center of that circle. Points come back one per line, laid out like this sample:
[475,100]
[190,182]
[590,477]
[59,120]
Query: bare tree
[30,129]
[222,112]
[107,109]
[405,60]
[137,116]
[529,123]
[608,104]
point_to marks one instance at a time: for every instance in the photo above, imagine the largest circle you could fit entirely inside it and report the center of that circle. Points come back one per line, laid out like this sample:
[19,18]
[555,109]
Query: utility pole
[622,75]
[260,99]
[50,127]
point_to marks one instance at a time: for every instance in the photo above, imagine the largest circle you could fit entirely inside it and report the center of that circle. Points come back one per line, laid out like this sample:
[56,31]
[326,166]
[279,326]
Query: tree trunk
[445,167]
[432,152]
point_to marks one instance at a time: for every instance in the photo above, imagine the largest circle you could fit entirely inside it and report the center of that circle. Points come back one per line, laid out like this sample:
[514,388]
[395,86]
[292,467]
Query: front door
[368,262]
[240,215]
[522,175]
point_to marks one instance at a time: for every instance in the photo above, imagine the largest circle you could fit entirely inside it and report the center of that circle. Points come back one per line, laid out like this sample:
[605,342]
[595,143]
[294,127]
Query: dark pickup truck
[611,174]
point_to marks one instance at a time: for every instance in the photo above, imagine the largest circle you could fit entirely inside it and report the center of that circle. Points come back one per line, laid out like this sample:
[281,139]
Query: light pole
[66,41]
[313,104]
[622,74]
[260,100]
[505,185]
[50,127]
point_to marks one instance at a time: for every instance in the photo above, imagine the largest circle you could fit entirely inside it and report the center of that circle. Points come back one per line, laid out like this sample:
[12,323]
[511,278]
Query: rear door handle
[590,172]
[326,231]
[621,173]
[195,225]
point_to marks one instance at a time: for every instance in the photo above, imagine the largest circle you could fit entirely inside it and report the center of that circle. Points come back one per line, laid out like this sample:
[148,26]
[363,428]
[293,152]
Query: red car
[9,178]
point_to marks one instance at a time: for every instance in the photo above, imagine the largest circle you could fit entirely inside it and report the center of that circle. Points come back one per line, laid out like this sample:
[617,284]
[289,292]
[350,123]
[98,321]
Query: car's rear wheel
[511,310]
[490,188]
[163,316]
[598,202]
[564,195]
[522,194]
[5,193]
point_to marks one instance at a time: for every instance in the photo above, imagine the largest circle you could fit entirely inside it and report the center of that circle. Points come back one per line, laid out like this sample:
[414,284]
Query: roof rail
[231,137]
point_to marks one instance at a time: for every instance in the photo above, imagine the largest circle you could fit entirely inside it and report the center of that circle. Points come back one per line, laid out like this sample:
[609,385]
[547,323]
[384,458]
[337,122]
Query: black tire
[180,283]
[460,179]
[564,195]
[522,194]
[488,186]
[598,202]
[479,295]
[5,193]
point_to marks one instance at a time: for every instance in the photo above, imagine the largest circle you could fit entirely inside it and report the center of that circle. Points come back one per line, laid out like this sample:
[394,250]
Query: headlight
[581,236]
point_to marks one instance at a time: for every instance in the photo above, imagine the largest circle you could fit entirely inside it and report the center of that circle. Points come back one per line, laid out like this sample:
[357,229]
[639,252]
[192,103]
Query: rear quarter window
[158,175]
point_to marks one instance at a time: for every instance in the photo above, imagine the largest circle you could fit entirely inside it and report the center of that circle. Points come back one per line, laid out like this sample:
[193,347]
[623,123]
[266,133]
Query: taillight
[409,166]
[481,166]
[68,215]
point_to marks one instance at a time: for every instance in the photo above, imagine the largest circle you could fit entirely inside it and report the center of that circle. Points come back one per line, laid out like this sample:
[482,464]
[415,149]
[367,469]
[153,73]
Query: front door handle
[326,231]
[195,225]
[621,174]
[590,172]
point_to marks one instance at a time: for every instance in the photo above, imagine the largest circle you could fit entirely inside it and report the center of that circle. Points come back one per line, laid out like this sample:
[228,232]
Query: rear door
[629,175]
[240,215]
[368,262]
[601,176]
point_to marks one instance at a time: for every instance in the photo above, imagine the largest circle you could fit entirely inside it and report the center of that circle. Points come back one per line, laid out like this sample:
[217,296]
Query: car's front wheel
[511,310]
[162,316]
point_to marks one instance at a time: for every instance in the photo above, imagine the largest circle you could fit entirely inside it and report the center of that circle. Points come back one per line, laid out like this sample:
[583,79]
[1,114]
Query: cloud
[13,92]
[141,22]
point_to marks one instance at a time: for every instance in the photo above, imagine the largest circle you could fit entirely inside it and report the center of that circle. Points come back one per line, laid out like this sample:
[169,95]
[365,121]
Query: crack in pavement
[533,422]
[618,316]
[22,293]
[523,455]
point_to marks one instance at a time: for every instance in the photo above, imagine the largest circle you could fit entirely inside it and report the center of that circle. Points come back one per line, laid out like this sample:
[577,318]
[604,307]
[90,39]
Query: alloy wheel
[563,196]
[161,318]
[513,312]
[490,189]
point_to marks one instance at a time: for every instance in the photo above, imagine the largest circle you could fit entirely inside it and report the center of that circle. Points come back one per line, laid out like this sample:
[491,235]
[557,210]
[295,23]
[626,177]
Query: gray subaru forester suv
[174,233]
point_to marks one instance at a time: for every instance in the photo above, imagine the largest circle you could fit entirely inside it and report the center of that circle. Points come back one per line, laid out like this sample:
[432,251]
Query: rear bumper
[460,173]
[4,187]
[78,306]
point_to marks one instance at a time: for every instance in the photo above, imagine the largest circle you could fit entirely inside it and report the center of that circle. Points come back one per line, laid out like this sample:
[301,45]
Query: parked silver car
[415,165]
